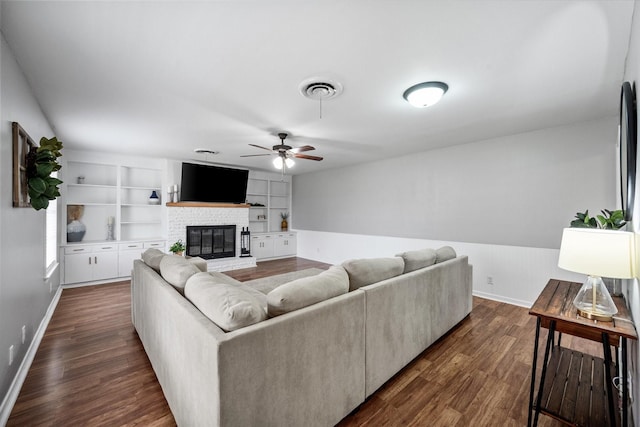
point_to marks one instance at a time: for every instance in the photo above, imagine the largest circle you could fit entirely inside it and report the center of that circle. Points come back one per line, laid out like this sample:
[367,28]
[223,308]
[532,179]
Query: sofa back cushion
[306,291]
[363,272]
[227,305]
[415,260]
[176,270]
[445,253]
[152,258]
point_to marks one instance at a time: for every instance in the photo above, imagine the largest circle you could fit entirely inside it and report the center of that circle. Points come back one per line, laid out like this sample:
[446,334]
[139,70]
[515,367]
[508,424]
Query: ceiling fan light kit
[281,161]
[285,153]
[425,94]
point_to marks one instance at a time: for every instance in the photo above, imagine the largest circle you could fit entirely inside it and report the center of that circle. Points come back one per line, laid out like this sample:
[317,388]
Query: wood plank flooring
[91,369]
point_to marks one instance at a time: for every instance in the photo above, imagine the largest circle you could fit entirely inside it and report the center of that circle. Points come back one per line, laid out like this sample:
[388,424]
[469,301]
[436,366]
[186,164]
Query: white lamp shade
[289,162]
[597,252]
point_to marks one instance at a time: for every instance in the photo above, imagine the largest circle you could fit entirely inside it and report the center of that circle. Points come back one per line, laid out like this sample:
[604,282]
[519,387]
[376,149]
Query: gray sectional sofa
[307,352]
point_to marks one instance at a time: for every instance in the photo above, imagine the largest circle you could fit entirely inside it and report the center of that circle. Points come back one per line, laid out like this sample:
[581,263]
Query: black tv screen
[214,184]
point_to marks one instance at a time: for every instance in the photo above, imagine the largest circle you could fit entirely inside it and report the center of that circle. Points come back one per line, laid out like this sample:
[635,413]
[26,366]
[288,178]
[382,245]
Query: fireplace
[211,241]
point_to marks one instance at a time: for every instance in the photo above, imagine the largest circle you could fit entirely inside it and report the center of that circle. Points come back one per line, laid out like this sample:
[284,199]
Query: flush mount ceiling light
[425,94]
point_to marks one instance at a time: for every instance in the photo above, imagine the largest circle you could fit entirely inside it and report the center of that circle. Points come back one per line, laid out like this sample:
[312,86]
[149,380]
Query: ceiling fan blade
[255,155]
[303,148]
[260,146]
[306,156]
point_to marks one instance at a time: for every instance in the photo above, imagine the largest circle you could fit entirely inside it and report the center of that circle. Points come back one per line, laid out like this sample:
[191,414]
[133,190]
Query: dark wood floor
[91,369]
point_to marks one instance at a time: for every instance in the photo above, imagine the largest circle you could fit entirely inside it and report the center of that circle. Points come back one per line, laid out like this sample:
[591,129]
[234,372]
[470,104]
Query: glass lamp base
[593,300]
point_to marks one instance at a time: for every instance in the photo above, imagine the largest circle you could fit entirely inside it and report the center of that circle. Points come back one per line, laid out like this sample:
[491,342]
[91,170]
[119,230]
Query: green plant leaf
[43,170]
[37,184]
[40,202]
[53,181]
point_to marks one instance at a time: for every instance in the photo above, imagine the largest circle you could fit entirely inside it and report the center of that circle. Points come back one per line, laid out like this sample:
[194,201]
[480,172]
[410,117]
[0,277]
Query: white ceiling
[161,78]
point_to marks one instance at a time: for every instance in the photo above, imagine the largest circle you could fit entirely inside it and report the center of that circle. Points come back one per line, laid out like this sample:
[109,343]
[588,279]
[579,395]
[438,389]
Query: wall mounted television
[213,184]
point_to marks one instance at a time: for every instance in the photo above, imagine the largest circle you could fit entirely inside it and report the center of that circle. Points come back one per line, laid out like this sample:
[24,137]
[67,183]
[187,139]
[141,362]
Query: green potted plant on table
[177,248]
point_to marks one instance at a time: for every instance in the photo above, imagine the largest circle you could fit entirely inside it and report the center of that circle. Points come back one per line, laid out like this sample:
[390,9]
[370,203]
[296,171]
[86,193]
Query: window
[51,236]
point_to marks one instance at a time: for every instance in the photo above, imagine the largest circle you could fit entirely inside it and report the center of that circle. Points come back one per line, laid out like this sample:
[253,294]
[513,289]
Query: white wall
[518,190]
[510,196]
[25,296]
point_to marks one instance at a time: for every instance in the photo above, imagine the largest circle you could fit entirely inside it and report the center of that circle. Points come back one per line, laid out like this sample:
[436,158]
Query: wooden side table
[579,390]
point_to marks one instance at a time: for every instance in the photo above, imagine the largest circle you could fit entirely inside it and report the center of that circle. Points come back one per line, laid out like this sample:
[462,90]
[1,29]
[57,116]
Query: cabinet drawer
[76,249]
[132,245]
[158,244]
[105,248]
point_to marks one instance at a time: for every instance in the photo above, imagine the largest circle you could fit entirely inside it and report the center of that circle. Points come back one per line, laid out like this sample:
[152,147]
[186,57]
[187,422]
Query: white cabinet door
[262,246]
[284,245]
[78,267]
[92,262]
[127,253]
[105,265]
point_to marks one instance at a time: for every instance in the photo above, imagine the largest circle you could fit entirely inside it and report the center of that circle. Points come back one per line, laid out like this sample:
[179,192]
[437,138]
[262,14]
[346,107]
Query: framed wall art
[628,148]
[22,144]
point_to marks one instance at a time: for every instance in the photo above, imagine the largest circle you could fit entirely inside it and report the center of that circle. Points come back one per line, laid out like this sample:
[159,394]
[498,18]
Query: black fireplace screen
[211,241]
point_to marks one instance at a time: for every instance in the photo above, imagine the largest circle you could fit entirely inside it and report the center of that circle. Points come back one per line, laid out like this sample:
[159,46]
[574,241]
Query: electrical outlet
[24,333]
[10,355]
[490,280]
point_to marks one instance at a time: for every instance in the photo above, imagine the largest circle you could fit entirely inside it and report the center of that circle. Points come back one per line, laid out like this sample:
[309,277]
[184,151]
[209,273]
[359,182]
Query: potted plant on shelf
[177,248]
[284,225]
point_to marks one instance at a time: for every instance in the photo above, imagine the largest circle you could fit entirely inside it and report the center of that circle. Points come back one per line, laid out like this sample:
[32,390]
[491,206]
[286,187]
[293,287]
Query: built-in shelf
[273,192]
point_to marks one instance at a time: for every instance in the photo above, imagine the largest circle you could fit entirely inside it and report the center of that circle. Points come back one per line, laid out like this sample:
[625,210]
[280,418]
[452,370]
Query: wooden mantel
[206,205]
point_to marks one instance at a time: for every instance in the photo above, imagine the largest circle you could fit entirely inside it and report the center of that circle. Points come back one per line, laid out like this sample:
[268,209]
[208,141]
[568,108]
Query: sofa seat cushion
[307,291]
[177,270]
[445,253]
[415,260]
[152,258]
[363,272]
[227,305]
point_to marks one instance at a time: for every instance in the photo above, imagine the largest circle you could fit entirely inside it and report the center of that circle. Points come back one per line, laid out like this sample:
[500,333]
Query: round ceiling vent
[320,89]
[206,151]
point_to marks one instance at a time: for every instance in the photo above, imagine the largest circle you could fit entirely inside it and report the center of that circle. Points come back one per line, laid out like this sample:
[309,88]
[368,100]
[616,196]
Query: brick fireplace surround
[182,214]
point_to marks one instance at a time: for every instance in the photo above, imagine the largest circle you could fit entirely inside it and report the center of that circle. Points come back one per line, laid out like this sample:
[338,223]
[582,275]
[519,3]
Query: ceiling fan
[285,153]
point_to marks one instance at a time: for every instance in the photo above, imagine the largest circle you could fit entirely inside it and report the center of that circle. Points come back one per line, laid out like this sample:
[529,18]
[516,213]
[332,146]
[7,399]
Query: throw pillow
[415,260]
[366,271]
[230,307]
[307,291]
[198,262]
[445,253]
[152,258]
[176,270]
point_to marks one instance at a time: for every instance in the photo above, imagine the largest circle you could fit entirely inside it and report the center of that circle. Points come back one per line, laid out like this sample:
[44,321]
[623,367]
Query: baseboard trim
[500,298]
[14,390]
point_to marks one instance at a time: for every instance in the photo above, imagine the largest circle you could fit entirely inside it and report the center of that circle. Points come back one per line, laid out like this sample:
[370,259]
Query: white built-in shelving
[109,191]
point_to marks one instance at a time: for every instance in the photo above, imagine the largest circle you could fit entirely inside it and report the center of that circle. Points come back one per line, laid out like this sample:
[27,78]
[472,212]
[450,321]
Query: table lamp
[597,253]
